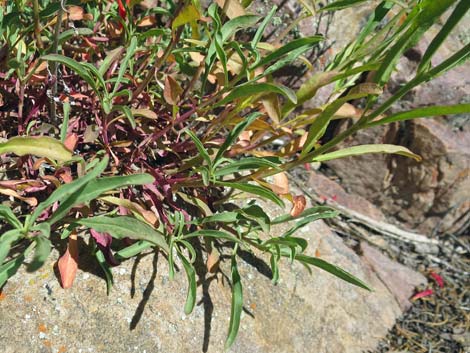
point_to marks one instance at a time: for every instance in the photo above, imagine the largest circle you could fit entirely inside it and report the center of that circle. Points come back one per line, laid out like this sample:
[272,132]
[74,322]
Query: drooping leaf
[237,305]
[7,214]
[191,275]
[7,239]
[43,146]
[43,247]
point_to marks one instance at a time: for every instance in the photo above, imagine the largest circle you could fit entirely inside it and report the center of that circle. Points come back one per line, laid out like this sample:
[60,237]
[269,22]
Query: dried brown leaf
[172,91]
[299,203]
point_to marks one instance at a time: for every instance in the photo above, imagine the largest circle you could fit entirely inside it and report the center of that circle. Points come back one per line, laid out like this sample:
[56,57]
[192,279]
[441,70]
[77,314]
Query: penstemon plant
[176,105]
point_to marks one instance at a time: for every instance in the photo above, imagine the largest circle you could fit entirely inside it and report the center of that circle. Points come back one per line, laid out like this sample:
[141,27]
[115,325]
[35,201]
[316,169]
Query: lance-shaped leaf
[125,227]
[43,146]
[251,89]
[191,274]
[237,305]
[64,192]
[255,190]
[7,214]
[363,149]
[7,239]
[43,246]
[333,269]
[95,188]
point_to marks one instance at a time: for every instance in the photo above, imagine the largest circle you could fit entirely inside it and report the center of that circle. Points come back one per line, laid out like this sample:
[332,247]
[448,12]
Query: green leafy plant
[178,107]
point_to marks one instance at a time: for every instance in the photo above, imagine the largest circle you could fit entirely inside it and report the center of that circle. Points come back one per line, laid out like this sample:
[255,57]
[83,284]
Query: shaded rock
[144,312]
[400,280]
[429,195]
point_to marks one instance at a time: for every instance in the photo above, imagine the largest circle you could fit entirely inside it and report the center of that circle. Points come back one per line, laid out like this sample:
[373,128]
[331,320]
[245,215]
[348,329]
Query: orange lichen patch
[2,296]
[47,343]
[28,299]
[62,349]
[42,328]
[253,306]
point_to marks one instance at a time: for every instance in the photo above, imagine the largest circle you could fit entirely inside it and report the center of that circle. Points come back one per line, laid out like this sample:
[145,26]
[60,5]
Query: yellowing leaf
[43,146]
[271,104]
[187,15]
[232,8]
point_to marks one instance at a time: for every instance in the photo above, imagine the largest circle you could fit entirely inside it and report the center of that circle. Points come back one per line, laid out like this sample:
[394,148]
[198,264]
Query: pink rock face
[399,280]
[331,190]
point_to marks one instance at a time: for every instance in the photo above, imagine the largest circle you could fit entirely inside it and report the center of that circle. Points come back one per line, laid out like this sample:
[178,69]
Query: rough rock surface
[144,312]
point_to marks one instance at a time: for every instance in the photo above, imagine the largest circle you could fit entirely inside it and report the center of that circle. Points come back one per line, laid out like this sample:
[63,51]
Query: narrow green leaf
[289,47]
[237,305]
[430,12]
[43,146]
[423,113]
[69,33]
[255,190]
[78,68]
[234,133]
[9,269]
[319,125]
[223,217]
[210,233]
[262,27]
[94,188]
[111,57]
[200,147]
[456,59]
[255,214]
[249,163]
[232,26]
[125,227]
[7,214]
[341,4]
[133,250]
[106,270]
[459,12]
[191,274]
[333,269]
[65,191]
[250,89]
[322,211]
[130,53]
[363,149]
[42,251]
[7,240]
